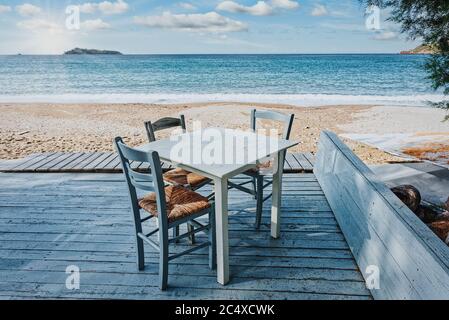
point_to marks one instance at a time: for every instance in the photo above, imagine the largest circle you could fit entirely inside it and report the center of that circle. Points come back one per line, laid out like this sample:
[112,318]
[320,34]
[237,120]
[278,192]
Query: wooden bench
[380,230]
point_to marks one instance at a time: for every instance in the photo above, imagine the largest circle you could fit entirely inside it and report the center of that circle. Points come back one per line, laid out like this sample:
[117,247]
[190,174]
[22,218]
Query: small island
[91,51]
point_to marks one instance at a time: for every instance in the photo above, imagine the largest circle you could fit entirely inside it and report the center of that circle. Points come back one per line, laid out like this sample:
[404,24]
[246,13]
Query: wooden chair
[261,177]
[176,176]
[172,205]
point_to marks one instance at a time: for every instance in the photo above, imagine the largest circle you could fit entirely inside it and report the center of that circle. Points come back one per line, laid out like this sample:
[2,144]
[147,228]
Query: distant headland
[91,51]
[422,49]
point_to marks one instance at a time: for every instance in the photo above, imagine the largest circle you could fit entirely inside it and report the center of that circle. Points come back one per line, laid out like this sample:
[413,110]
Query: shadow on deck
[51,221]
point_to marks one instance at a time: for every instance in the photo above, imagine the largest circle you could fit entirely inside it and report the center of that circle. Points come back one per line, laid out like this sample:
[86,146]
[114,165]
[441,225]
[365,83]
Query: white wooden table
[247,155]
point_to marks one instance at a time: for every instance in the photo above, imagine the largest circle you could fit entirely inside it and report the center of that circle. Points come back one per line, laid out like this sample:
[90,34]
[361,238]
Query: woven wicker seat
[261,168]
[180,203]
[183,177]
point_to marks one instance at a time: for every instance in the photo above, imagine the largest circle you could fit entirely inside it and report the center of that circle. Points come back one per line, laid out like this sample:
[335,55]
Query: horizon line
[186,54]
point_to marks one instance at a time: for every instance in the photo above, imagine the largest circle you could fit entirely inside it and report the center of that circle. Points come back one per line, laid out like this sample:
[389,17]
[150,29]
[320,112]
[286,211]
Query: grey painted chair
[261,177]
[176,176]
[164,123]
[170,205]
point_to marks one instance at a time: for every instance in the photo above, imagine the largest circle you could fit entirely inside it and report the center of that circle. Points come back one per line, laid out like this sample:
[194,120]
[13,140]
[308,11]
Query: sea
[297,79]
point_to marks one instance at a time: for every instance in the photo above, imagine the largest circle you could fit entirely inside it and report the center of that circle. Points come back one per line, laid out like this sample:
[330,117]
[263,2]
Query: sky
[197,26]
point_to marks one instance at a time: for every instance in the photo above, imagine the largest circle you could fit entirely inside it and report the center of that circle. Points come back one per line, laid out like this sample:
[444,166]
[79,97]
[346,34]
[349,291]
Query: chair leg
[140,254]
[255,187]
[212,240]
[259,200]
[163,260]
[176,233]
[191,228]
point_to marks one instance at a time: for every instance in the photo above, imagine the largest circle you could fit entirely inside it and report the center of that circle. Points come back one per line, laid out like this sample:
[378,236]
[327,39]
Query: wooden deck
[108,162]
[51,221]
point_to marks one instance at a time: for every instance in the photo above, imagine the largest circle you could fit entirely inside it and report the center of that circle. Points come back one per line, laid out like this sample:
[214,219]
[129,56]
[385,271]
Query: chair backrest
[285,119]
[164,123]
[151,181]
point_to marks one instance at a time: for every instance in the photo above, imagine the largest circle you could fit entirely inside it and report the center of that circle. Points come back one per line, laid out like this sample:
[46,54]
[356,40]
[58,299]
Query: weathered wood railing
[380,230]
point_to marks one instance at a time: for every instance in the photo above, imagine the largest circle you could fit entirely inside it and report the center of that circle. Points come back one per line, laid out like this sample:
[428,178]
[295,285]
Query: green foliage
[438,67]
[426,20]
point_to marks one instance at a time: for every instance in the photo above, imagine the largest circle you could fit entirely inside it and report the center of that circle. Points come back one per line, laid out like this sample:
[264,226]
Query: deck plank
[77,161]
[288,164]
[44,161]
[81,165]
[66,162]
[100,166]
[10,164]
[310,157]
[54,162]
[83,219]
[115,163]
[93,164]
[302,160]
[28,162]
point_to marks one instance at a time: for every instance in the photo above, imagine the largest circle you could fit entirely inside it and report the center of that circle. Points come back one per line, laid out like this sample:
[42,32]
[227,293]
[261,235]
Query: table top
[218,152]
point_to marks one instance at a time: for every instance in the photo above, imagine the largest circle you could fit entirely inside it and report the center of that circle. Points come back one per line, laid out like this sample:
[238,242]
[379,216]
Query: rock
[441,229]
[409,195]
[443,216]
[427,215]
[446,204]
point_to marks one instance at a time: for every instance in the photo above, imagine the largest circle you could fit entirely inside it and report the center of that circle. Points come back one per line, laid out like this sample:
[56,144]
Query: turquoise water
[300,79]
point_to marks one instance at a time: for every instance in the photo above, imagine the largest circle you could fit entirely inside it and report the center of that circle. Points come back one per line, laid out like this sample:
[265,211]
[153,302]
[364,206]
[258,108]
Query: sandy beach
[31,128]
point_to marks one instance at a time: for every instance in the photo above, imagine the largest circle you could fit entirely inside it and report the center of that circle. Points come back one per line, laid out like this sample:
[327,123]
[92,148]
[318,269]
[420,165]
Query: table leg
[221,220]
[276,199]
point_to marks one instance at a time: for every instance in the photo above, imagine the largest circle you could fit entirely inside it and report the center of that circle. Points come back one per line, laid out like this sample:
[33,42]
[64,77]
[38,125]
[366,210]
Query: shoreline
[298,100]
[43,127]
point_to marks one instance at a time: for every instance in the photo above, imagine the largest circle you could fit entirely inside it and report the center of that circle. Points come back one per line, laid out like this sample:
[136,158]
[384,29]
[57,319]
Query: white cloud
[285,4]
[385,35]
[319,10]
[88,7]
[28,10]
[117,7]
[187,6]
[261,8]
[96,24]
[4,8]
[204,22]
[105,7]
[39,24]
